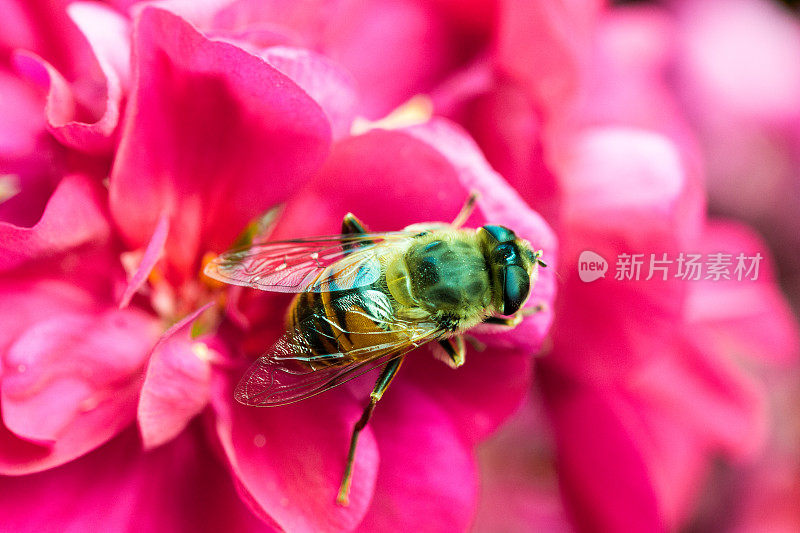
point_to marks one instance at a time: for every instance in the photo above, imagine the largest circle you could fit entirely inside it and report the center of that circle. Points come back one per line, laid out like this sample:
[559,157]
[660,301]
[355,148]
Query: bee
[365,300]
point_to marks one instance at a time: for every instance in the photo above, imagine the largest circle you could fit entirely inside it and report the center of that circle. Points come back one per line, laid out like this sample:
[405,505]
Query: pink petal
[677,459]
[630,184]
[497,379]
[72,381]
[245,133]
[18,32]
[174,391]
[603,477]
[741,57]
[545,45]
[75,215]
[427,478]
[25,302]
[43,28]
[393,48]
[714,399]
[736,318]
[176,385]
[22,124]
[624,191]
[769,496]
[289,460]
[519,491]
[179,487]
[506,126]
[107,35]
[629,76]
[328,84]
[30,159]
[152,254]
[61,107]
[385,178]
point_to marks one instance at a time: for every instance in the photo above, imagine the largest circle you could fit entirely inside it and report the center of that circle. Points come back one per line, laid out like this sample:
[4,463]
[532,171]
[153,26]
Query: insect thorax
[447,275]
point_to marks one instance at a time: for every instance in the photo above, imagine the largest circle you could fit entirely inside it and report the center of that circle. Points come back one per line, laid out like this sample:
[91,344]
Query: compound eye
[516,286]
[500,233]
[506,254]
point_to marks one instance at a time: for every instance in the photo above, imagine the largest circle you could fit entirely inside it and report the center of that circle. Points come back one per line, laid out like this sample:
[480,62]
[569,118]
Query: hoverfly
[365,300]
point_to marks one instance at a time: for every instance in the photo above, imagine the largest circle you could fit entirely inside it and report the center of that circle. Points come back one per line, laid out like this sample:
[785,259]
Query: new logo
[591,266]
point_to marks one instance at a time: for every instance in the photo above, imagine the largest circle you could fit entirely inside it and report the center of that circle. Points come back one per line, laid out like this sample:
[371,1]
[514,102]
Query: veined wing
[291,371]
[331,263]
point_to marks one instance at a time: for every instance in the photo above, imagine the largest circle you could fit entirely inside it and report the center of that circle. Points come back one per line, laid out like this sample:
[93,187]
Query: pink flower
[141,137]
[213,123]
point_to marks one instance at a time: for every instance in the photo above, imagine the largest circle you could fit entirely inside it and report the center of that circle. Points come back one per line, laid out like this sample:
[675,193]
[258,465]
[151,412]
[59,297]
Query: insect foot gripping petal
[451,352]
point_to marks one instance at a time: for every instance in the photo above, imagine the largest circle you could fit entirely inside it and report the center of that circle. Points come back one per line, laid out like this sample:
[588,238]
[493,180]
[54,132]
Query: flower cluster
[140,138]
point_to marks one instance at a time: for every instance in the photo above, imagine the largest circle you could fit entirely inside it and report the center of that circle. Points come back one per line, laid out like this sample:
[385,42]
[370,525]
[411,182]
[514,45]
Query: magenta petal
[216,137]
[427,478]
[518,487]
[24,302]
[61,107]
[749,317]
[385,178]
[497,379]
[740,58]
[603,477]
[715,400]
[677,460]
[508,129]
[631,56]
[74,215]
[72,381]
[107,34]
[179,487]
[545,45]
[30,159]
[394,49]
[289,460]
[175,390]
[327,83]
[629,186]
[22,123]
[151,256]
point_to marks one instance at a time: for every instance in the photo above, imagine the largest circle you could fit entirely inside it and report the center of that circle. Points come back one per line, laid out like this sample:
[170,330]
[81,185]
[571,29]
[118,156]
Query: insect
[365,300]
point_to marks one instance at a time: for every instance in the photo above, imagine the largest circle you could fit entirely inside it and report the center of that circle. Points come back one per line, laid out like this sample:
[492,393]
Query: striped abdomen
[342,322]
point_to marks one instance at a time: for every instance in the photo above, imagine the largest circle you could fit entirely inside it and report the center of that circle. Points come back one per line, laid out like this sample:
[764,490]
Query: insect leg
[466,211]
[455,350]
[510,322]
[352,226]
[514,320]
[388,373]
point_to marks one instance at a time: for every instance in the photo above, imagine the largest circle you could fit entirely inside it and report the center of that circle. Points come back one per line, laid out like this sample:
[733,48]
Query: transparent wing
[331,263]
[291,371]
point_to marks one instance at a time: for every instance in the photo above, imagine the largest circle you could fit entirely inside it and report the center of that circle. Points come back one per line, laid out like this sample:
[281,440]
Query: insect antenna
[466,210]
